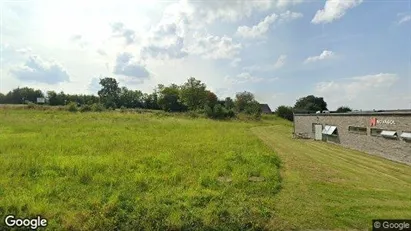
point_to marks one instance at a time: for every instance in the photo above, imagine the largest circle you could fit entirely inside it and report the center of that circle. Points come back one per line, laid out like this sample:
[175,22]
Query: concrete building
[383,133]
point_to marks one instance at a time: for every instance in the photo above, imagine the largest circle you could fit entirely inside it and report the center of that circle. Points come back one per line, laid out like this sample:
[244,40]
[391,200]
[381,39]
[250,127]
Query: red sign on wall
[373,122]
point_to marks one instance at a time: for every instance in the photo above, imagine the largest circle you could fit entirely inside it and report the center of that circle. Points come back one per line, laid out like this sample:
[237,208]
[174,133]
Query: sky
[354,53]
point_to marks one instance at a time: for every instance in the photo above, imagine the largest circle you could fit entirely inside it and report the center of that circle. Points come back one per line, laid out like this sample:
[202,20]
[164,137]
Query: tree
[194,94]
[254,108]
[242,100]
[211,99]
[62,98]
[311,103]
[218,112]
[343,109]
[130,99]
[150,101]
[109,94]
[285,112]
[229,103]
[2,98]
[90,99]
[52,96]
[21,95]
[169,98]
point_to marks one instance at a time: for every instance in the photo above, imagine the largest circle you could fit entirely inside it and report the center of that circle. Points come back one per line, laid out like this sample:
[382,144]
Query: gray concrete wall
[397,150]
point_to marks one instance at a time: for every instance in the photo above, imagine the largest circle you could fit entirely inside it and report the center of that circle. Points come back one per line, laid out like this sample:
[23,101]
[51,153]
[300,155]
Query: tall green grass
[129,171]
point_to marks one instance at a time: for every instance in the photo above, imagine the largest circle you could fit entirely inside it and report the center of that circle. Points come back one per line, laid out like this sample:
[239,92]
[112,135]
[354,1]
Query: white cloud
[277,95]
[119,30]
[174,50]
[167,47]
[37,70]
[360,92]
[246,77]
[229,11]
[324,55]
[126,65]
[222,93]
[166,40]
[214,47]
[24,51]
[79,40]
[273,79]
[94,85]
[259,30]
[11,54]
[253,68]
[289,16]
[101,52]
[235,62]
[280,62]
[333,10]
[285,3]
[404,17]
[234,10]
[76,37]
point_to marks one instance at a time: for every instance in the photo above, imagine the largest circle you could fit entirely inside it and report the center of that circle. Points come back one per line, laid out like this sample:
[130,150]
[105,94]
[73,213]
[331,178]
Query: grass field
[88,171]
[113,170]
[329,187]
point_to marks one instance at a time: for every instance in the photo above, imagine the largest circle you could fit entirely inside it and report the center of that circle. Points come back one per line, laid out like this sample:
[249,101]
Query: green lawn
[102,171]
[329,187]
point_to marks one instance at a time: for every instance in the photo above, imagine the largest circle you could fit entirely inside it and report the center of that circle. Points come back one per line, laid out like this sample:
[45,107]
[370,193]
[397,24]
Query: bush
[31,105]
[230,114]
[161,114]
[192,114]
[208,111]
[97,107]
[343,109]
[285,112]
[85,108]
[72,107]
[257,115]
[254,109]
[123,109]
[201,111]
[139,110]
[218,112]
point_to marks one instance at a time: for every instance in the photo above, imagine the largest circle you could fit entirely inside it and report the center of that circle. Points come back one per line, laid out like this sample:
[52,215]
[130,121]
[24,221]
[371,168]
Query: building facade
[387,134]
[265,109]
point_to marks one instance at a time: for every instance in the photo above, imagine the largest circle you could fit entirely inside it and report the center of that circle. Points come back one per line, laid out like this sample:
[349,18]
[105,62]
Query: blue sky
[351,52]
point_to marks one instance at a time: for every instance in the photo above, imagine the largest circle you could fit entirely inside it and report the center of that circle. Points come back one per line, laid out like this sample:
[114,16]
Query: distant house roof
[265,108]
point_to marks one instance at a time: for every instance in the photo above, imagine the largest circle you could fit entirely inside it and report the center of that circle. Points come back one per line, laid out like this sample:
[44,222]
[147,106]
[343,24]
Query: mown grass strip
[326,186]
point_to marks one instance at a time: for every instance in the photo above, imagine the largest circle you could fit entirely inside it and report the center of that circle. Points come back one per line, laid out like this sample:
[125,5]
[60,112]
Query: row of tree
[190,96]
[193,95]
[25,95]
[308,104]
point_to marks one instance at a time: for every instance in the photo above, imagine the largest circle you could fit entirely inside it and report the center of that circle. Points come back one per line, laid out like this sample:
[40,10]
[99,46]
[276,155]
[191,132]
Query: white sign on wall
[375,121]
[390,122]
[41,100]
